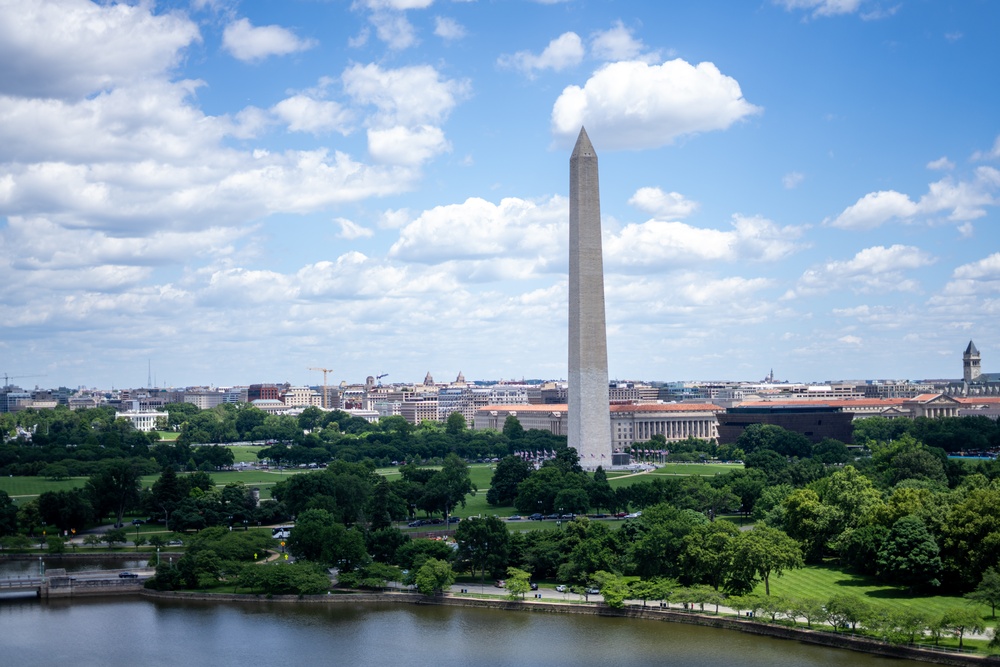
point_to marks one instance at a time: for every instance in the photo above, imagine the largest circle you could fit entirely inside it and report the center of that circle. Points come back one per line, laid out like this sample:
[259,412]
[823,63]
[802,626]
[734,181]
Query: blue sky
[233,192]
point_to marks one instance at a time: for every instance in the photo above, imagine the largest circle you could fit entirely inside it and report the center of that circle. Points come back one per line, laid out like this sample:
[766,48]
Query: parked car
[633,515]
[593,591]
[533,585]
[500,583]
[561,588]
[514,518]
[128,575]
[137,522]
[454,519]
[535,517]
[416,524]
[551,517]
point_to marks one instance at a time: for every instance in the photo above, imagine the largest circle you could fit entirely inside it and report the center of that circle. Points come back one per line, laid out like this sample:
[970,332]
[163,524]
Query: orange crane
[325,371]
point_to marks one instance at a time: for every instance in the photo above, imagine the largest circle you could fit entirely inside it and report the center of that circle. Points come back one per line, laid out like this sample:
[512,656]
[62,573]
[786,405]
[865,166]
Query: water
[30,567]
[123,633]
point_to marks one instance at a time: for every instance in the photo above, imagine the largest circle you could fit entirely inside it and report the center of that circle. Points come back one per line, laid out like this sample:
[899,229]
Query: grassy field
[245,453]
[30,487]
[823,582]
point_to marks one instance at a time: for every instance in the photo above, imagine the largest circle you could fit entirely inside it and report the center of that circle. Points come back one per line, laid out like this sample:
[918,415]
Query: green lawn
[245,453]
[823,582]
[35,486]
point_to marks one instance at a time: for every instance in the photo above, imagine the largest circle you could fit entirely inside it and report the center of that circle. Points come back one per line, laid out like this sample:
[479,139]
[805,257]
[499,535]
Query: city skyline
[237,193]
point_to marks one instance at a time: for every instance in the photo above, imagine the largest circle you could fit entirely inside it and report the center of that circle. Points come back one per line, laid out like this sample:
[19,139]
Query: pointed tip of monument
[583,145]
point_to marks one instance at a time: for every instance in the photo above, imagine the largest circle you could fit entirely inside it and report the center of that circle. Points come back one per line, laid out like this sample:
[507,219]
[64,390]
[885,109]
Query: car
[516,517]
[535,517]
[416,524]
[499,583]
[128,575]
[593,591]
[533,586]
[454,519]
[175,543]
[137,522]
[561,588]
[568,517]
[621,515]
[551,517]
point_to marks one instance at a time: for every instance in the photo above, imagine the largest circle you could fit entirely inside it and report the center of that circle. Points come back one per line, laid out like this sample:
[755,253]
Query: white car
[560,588]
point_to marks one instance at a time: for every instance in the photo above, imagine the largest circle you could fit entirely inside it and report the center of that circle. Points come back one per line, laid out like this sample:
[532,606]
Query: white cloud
[406,146]
[305,114]
[394,29]
[251,43]
[617,43]
[792,179]
[448,28]
[822,7]
[398,5]
[409,96]
[516,231]
[875,209]
[99,46]
[663,204]
[992,154]
[634,105]
[351,230]
[875,269]
[667,244]
[987,268]
[851,340]
[941,164]
[563,52]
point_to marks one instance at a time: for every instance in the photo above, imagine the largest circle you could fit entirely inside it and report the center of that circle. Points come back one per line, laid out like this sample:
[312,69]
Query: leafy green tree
[858,548]
[483,543]
[55,545]
[114,489]
[509,473]
[8,515]
[705,552]
[378,575]
[167,493]
[614,588]
[114,536]
[55,472]
[456,424]
[811,609]
[963,621]
[845,609]
[317,537]
[448,487]
[757,554]
[910,556]
[599,492]
[518,583]
[987,591]
[810,521]
[512,428]
[656,540]
[433,576]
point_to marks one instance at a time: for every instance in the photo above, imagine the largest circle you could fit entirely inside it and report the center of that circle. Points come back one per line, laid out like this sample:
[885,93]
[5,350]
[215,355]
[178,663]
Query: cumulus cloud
[665,245]
[874,209]
[792,179]
[406,146]
[875,269]
[448,28]
[563,52]
[992,154]
[822,7]
[961,200]
[97,46]
[303,113]
[635,105]
[515,230]
[406,96]
[941,164]
[250,43]
[351,230]
[618,43]
[663,204]
[987,268]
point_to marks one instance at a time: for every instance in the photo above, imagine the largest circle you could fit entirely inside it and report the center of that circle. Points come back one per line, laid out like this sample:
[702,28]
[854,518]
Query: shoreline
[817,637]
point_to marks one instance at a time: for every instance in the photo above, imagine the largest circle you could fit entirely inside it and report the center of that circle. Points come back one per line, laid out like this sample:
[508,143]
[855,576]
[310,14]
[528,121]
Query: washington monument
[589,416]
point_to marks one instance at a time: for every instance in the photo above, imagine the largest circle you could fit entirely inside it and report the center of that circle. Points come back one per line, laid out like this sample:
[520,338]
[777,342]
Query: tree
[456,424]
[168,492]
[512,428]
[518,583]
[845,609]
[962,621]
[600,494]
[759,553]
[483,543]
[114,489]
[509,473]
[987,591]
[910,556]
[433,576]
[8,515]
[614,588]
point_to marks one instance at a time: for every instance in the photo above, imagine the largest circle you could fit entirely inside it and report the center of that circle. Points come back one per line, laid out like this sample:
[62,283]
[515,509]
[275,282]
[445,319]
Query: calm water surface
[141,632]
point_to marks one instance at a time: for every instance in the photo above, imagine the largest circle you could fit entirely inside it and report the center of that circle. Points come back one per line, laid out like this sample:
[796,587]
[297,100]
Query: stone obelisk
[589,415]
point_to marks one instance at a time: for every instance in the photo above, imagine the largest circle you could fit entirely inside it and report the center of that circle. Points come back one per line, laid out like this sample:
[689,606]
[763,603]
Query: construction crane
[379,378]
[8,378]
[325,371]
